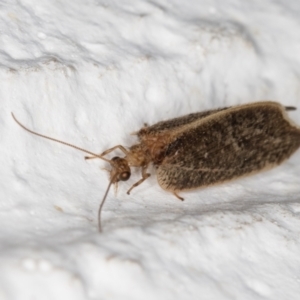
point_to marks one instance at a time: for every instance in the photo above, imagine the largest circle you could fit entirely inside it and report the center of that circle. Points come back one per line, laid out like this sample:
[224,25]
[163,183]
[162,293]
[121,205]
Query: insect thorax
[151,149]
[138,156]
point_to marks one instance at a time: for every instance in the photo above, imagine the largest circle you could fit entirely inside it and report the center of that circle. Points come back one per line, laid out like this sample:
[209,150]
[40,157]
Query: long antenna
[102,202]
[58,141]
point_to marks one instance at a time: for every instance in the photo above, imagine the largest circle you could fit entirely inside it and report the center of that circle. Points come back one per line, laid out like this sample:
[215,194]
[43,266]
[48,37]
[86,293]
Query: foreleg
[144,177]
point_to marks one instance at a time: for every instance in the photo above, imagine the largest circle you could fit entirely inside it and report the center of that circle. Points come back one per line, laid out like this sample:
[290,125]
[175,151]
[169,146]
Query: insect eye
[124,176]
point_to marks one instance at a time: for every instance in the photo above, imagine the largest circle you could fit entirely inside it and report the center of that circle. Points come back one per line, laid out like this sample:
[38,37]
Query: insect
[204,148]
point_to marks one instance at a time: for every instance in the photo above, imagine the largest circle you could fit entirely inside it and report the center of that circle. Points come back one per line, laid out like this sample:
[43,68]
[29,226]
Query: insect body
[206,148]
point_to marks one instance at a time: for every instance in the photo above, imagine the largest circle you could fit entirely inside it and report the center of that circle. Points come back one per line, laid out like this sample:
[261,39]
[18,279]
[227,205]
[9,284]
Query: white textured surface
[90,73]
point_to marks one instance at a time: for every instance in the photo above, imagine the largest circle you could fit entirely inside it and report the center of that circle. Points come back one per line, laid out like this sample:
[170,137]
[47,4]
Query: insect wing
[168,126]
[231,143]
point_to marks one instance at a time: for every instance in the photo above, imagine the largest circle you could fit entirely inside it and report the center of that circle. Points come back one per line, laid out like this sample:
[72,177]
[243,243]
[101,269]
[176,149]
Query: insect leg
[108,151]
[144,177]
[176,195]
[290,108]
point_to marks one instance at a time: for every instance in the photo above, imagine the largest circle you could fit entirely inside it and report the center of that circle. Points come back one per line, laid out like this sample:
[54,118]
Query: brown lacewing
[205,148]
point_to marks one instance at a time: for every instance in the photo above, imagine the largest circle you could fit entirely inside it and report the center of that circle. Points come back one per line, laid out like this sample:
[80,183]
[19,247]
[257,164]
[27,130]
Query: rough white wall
[91,73]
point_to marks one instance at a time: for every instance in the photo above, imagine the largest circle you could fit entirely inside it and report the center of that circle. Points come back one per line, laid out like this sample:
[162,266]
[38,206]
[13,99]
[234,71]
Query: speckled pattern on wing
[234,143]
[169,125]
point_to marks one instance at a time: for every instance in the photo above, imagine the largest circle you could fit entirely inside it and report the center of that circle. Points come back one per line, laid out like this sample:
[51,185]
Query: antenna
[58,141]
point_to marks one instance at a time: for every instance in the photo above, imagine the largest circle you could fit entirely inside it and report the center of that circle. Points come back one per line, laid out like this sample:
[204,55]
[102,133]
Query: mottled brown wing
[236,142]
[172,124]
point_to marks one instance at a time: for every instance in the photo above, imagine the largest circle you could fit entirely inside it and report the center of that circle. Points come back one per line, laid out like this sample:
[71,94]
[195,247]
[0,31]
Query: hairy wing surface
[237,143]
